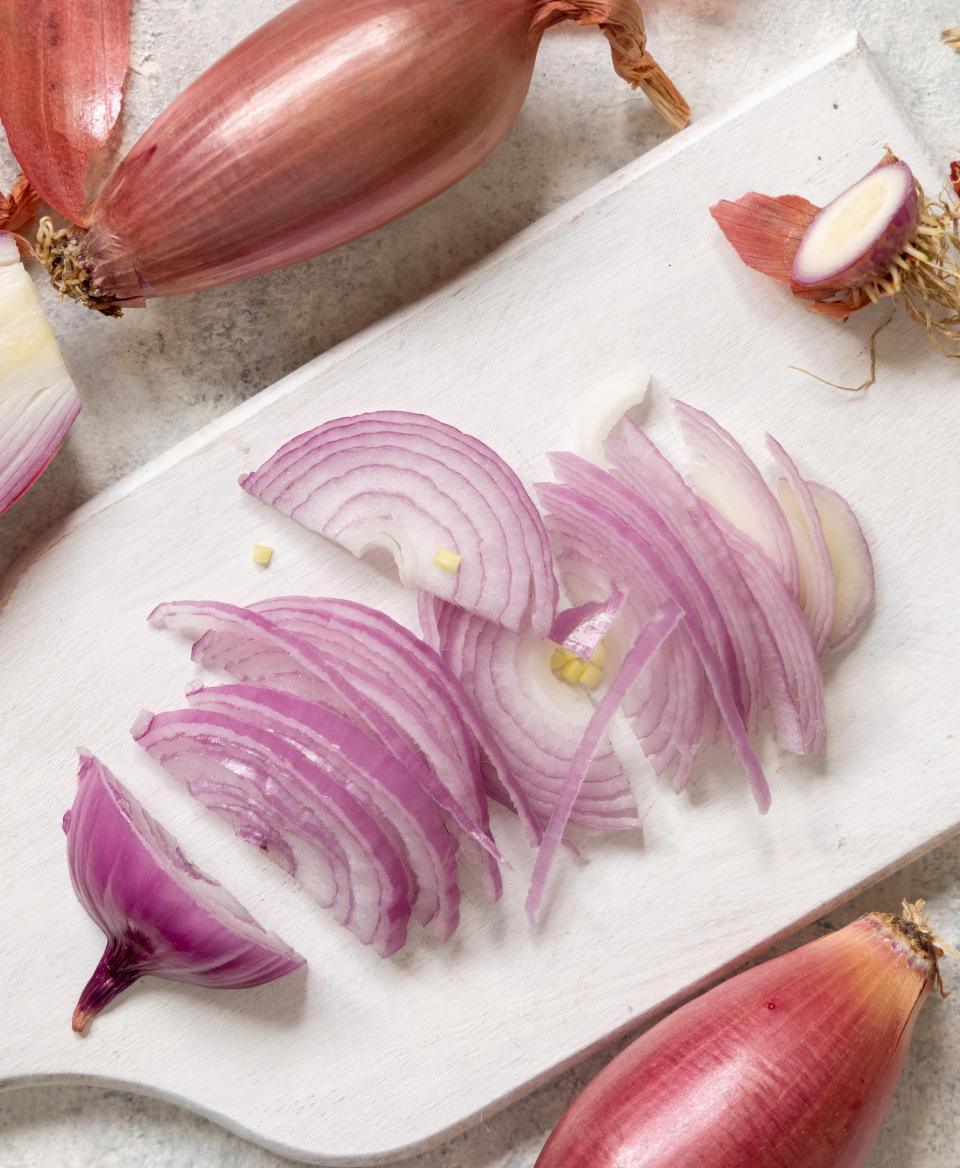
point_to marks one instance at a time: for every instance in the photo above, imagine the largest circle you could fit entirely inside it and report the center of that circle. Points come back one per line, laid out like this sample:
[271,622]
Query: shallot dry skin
[327,122]
[160,913]
[62,69]
[882,237]
[792,1063]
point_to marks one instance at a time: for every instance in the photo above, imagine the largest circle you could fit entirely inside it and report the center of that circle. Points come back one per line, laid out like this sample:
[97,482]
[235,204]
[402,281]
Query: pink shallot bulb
[793,1062]
[327,122]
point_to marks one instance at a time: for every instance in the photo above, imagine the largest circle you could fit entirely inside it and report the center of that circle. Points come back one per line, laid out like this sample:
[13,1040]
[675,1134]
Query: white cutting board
[360,1059]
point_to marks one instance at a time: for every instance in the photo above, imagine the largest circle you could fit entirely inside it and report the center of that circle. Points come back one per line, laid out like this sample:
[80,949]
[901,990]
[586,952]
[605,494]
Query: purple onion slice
[162,916]
[290,805]
[455,517]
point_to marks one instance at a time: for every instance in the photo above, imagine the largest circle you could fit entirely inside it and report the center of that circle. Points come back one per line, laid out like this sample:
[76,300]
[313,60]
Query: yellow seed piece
[599,655]
[592,675]
[262,553]
[449,561]
[573,670]
[559,657]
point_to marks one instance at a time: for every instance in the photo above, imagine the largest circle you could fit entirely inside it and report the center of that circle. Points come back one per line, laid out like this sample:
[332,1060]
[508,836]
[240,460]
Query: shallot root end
[60,253]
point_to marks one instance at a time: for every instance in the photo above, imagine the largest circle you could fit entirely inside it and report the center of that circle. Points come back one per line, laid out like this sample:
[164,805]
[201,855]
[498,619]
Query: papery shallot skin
[328,121]
[792,1063]
[62,68]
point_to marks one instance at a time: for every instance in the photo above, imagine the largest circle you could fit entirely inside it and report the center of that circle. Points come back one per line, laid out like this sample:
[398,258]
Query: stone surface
[160,374]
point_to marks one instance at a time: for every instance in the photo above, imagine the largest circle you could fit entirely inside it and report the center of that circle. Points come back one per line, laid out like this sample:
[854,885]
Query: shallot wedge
[455,517]
[62,68]
[38,400]
[792,1063]
[162,916]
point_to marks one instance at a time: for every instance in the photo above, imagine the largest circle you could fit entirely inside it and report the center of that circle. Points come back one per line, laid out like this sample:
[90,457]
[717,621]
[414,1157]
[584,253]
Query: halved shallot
[38,400]
[882,237]
[325,123]
[162,916]
[455,517]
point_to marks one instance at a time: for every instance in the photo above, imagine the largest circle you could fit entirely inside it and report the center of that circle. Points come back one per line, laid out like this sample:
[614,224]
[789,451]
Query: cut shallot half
[881,237]
[162,916]
[455,517]
[38,400]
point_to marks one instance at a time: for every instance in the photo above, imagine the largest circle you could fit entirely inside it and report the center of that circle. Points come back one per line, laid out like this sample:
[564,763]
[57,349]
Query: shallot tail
[621,21]
[118,969]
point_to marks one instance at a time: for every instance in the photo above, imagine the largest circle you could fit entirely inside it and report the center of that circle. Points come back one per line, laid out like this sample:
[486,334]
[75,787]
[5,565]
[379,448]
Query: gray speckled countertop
[164,372]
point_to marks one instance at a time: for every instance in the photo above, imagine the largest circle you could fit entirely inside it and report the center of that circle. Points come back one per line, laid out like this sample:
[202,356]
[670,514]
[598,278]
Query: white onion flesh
[855,238]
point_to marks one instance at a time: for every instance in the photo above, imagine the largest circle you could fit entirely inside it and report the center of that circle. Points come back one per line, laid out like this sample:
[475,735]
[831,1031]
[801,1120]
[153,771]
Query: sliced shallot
[328,121]
[295,809]
[537,720]
[636,660]
[455,517]
[882,237]
[162,916]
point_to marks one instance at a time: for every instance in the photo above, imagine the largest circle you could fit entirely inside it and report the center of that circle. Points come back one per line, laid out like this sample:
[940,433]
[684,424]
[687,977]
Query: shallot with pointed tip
[160,913]
[792,1062]
[881,237]
[325,123]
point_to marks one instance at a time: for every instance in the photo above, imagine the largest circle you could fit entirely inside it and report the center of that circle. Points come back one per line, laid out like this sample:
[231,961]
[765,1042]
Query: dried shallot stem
[912,928]
[622,24]
[951,38]
[59,252]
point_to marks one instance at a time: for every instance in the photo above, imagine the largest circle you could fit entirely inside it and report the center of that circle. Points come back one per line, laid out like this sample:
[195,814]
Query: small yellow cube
[262,553]
[449,561]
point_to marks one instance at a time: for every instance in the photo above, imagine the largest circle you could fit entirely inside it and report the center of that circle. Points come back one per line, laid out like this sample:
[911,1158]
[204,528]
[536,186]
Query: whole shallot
[327,122]
[793,1062]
